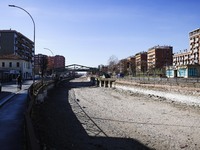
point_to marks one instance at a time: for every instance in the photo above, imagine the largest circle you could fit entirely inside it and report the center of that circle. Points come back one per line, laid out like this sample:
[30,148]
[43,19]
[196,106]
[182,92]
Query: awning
[14,71]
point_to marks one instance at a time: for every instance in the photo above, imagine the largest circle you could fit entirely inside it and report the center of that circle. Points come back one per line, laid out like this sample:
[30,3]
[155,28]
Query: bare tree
[113,64]
[43,65]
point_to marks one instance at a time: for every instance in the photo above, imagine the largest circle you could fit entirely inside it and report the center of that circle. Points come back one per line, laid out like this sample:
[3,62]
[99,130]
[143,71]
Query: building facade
[12,65]
[159,57]
[141,63]
[59,61]
[192,56]
[41,63]
[13,43]
[183,58]
[194,46]
[186,64]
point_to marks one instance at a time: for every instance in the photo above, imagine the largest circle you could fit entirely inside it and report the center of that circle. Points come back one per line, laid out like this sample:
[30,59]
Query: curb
[6,99]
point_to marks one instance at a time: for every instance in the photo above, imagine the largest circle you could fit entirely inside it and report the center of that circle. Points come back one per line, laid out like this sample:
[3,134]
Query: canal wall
[173,92]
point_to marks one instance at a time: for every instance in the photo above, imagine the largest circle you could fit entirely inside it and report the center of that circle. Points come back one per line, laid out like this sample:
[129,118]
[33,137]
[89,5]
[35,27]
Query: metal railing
[36,88]
[32,142]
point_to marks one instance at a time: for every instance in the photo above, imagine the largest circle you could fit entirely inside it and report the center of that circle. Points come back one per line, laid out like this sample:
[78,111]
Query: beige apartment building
[182,58]
[192,56]
[194,46]
[141,63]
[186,64]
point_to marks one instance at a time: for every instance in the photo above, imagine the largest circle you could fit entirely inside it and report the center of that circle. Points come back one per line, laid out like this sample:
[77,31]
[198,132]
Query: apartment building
[141,63]
[182,58]
[194,46]
[14,46]
[12,65]
[159,57]
[50,66]
[49,63]
[41,63]
[13,42]
[59,61]
[186,64]
[191,56]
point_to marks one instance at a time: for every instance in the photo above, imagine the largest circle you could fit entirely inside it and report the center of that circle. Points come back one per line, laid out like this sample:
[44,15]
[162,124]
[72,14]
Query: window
[182,72]
[10,64]
[18,64]
[192,72]
[170,72]
[3,64]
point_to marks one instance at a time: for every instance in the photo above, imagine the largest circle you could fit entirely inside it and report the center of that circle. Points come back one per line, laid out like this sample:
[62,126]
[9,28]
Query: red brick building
[159,57]
[59,61]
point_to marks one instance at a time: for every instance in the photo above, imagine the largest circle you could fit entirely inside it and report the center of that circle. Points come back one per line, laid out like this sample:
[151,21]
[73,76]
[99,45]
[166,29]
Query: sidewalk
[14,103]
[8,91]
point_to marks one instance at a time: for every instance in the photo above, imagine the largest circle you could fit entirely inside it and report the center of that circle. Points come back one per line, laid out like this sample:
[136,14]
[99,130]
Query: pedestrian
[19,81]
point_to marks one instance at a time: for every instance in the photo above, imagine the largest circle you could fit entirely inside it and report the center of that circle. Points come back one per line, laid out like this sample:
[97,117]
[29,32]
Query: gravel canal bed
[78,116]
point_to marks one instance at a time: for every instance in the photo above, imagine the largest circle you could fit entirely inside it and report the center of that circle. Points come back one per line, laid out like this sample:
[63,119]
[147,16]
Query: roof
[11,57]
[14,31]
[160,47]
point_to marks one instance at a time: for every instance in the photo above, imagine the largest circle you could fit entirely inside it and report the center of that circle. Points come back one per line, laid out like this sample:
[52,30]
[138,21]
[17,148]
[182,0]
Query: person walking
[19,81]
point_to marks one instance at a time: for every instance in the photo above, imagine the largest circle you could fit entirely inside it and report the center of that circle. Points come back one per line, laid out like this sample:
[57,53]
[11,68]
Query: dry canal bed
[83,117]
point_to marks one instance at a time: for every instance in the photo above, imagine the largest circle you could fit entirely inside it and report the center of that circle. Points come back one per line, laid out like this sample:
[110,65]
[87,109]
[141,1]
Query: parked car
[120,75]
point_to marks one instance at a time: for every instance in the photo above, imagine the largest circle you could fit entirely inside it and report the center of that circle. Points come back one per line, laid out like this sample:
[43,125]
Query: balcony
[195,61]
[192,57]
[192,40]
[196,45]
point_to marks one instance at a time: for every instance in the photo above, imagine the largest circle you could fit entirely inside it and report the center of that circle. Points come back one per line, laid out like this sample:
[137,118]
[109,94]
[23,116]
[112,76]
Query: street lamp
[33,37]
[50,51]
[53,58]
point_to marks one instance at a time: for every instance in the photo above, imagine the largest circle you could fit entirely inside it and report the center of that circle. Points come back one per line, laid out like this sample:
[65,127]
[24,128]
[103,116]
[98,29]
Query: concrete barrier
[105,82]
[175,93]
[36,94]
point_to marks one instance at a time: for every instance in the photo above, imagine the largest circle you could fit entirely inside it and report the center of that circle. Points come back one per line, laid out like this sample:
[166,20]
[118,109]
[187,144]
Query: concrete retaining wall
[185,95]
[43,92]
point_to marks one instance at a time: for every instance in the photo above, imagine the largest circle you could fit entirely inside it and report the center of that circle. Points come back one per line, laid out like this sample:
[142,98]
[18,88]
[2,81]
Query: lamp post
[50,51]
[33,37]
[53,58]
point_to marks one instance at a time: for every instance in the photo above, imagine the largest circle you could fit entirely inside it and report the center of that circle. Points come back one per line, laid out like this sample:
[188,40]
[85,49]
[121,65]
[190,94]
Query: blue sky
[88,32]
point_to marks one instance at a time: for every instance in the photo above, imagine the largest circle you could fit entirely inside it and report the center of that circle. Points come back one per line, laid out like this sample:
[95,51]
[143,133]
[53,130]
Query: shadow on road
[57,126]
[3,94]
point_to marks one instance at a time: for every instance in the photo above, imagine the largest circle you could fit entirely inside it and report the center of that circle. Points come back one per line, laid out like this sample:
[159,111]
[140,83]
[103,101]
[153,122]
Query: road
[13,105]
[79,116]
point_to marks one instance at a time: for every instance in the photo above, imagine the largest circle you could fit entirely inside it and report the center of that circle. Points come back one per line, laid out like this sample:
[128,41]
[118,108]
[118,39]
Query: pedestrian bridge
[77,68]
